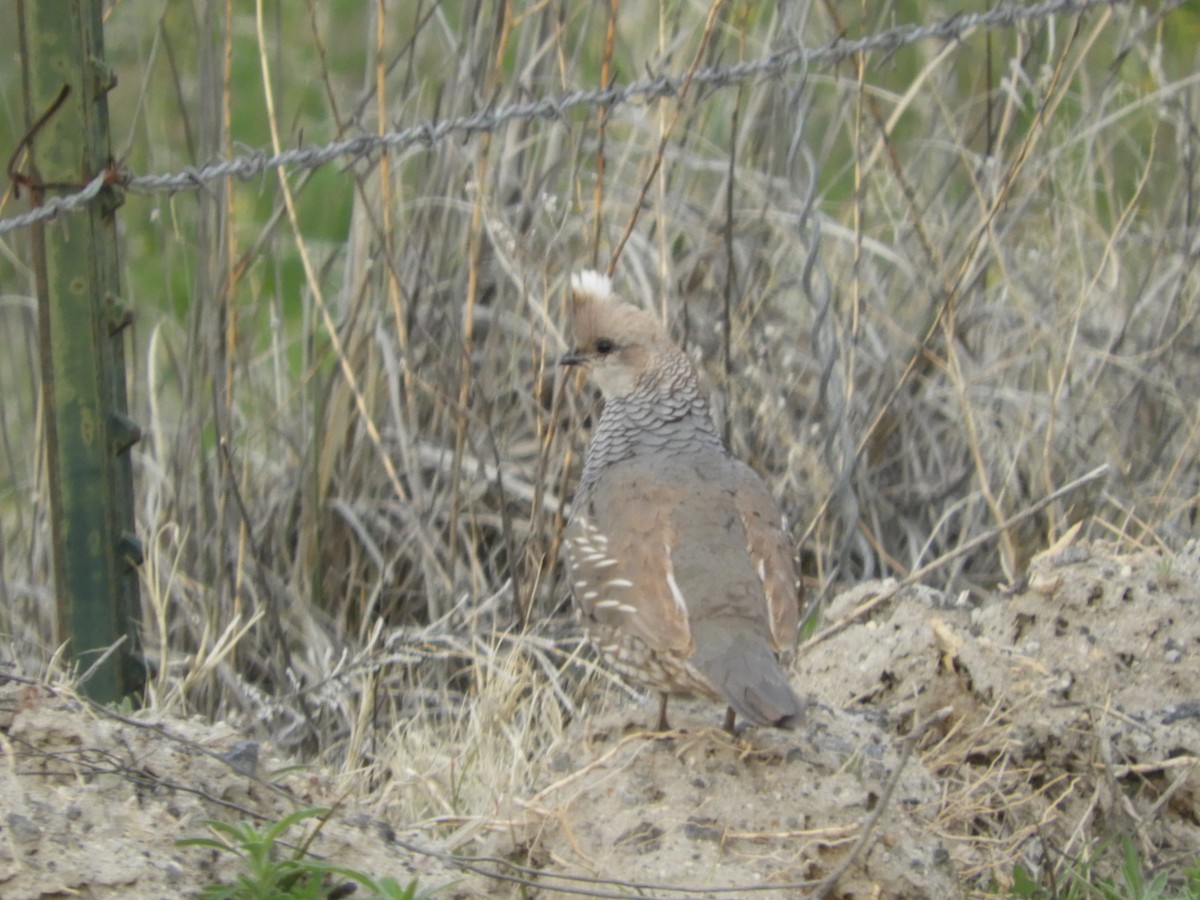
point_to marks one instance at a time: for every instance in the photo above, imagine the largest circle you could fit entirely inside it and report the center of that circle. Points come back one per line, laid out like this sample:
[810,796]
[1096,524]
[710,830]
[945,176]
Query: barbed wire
[429,133]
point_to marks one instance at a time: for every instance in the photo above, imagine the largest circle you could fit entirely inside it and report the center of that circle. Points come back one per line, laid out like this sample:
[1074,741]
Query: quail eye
[604,346]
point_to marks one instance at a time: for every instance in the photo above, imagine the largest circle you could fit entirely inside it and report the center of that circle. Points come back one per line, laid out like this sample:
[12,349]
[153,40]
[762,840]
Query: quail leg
[663,724]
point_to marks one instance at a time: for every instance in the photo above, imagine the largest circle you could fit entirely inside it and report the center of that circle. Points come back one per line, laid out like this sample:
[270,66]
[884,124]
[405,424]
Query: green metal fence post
[81,331]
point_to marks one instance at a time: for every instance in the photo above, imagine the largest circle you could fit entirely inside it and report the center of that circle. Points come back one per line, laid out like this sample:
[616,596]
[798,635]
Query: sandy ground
[949,738]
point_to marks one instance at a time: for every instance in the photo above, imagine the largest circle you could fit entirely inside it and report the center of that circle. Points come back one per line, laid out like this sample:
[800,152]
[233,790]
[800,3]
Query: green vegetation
[1082,882]
[269,874]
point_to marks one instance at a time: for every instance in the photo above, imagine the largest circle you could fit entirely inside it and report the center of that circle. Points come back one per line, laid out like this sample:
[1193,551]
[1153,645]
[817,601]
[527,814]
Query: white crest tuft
[595,284]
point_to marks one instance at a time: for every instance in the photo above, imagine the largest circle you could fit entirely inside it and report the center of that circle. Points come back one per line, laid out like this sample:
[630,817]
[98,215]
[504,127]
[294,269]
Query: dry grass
[926,290]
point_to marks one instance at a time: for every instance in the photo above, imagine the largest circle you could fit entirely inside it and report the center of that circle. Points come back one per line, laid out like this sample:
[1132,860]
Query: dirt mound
[1074,701]
[693,811]
[94,803]
[949,738]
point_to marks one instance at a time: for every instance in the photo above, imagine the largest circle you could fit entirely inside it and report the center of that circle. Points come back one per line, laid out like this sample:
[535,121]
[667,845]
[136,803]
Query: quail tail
[752,681]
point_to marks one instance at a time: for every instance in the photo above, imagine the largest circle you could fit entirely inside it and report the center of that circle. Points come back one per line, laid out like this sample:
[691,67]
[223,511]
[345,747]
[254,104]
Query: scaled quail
[678,556]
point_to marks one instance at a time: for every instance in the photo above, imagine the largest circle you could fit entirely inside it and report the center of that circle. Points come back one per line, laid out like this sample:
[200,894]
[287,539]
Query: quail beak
[571,358]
